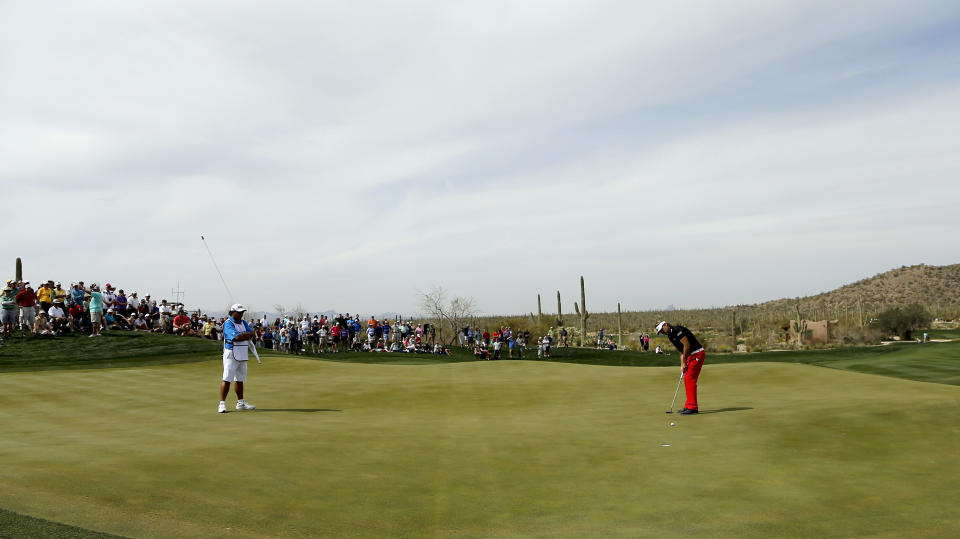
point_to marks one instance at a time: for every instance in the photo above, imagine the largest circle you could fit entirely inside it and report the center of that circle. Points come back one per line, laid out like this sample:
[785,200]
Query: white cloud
[344,156]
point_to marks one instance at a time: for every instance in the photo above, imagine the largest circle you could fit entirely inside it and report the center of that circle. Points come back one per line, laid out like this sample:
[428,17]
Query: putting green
[487,448]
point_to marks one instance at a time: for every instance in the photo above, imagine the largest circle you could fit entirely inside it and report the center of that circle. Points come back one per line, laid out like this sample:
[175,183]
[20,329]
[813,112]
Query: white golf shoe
[222,408]
[244,405]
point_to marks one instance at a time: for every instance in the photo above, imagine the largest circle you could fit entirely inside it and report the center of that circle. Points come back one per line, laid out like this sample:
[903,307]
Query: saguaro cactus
[860,308]
[559,312]
[539,311]
[19,269]
[582,311]
[619,328]
[800,325]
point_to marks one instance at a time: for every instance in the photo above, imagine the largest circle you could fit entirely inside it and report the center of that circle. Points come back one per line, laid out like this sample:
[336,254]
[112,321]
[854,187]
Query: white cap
[237,307]
[660,326]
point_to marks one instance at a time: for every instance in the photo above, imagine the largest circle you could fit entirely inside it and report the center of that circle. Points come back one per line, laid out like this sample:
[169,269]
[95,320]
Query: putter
[675,394]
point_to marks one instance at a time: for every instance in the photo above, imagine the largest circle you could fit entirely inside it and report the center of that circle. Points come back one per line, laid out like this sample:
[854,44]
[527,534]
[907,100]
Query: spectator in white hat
[166,317]
[58,318]
[8,313]
[42,326]
[133,303]
[139,322]
[109,298]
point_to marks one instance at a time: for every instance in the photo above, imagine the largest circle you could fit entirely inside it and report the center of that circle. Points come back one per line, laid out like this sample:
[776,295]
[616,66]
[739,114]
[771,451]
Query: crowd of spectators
[320,334]
[606,343]
[346,333]
[490,345]
[53,310]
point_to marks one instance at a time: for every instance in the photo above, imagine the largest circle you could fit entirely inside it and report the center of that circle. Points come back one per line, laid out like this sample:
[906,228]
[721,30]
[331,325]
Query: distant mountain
[934,287]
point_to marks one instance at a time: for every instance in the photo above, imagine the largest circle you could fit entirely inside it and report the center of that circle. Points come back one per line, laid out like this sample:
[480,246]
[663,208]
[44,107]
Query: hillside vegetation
[935,287]
[764,325]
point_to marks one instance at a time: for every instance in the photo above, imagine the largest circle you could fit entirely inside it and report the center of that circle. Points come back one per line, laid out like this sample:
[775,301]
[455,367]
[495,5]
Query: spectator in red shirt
[27,301]
[335,334]
[181,324]
[76,316]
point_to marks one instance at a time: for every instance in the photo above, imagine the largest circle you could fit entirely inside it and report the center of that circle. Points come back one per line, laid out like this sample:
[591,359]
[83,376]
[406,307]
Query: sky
[349,156]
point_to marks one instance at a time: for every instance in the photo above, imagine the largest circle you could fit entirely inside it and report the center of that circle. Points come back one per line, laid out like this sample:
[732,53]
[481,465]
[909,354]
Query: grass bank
[113,349]
[929,362]
[17,525]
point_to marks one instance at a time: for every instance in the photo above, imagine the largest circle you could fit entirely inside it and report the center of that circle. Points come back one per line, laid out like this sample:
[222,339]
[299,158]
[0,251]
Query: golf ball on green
[672,424]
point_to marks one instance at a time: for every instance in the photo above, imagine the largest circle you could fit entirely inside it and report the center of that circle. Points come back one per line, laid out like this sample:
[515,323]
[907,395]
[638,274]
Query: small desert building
[816,331]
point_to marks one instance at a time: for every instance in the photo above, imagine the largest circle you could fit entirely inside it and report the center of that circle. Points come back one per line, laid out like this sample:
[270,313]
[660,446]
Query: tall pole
[178,293]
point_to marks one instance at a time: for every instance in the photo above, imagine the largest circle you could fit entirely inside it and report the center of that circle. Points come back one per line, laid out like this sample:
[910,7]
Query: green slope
[17,525]
[113,349]
[930,362]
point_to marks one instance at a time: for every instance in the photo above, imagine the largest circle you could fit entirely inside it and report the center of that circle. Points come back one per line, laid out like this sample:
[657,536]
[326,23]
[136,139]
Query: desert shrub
[755,343]
[856,336]
[903,321]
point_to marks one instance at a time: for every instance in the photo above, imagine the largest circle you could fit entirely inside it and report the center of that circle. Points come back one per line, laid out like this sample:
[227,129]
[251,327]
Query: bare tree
[460,310]
[446,313]
[434,306]
[280,309]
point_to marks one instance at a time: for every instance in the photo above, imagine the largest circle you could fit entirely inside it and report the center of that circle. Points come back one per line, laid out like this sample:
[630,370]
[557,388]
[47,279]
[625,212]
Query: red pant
[694,364]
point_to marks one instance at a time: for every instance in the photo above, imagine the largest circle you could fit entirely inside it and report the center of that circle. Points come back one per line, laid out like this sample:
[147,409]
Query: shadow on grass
[735,409]
[298,410]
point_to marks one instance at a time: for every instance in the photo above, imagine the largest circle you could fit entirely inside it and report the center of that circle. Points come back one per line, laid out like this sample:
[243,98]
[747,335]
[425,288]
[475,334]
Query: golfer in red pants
[692,355]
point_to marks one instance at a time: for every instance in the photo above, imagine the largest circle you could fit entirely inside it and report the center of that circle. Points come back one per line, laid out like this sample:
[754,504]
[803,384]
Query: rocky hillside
[935,287]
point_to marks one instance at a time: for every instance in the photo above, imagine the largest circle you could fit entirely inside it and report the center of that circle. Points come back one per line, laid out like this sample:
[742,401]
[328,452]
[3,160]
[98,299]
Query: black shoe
[688,411]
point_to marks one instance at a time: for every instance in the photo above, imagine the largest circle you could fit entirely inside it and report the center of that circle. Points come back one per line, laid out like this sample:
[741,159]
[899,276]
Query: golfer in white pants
[236,336]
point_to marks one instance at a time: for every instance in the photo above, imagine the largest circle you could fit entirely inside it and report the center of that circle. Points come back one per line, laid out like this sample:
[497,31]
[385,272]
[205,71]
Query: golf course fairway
[509,448]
